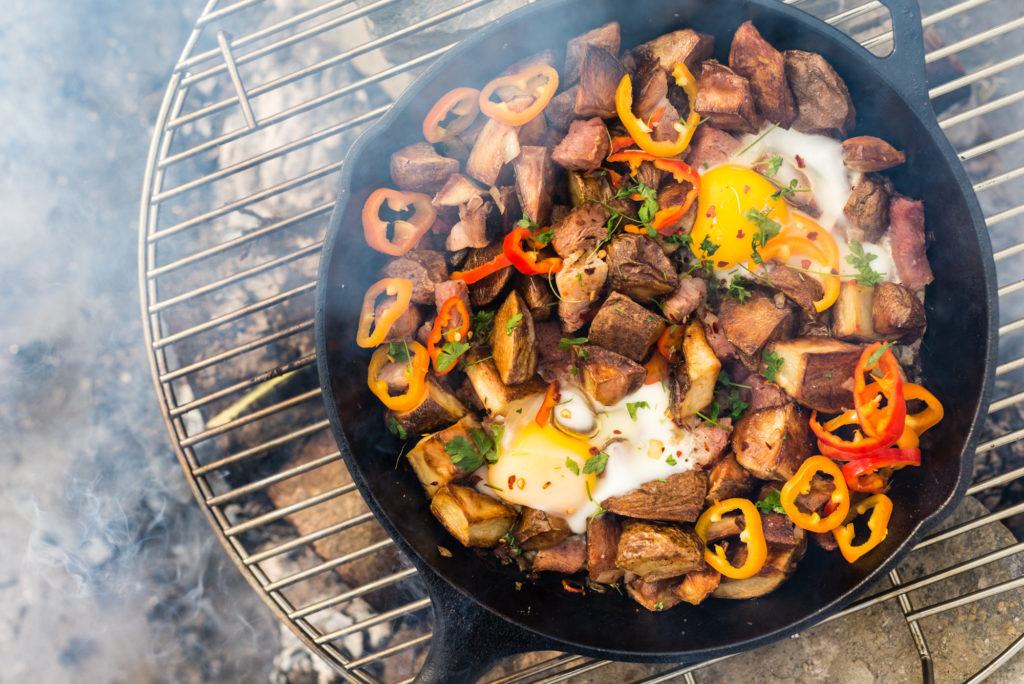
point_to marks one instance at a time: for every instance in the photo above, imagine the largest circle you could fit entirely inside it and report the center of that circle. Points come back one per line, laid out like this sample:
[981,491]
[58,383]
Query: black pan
[479,615]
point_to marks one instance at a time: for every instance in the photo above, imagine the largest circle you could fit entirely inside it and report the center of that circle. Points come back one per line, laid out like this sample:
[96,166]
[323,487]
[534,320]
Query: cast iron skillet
[479,615]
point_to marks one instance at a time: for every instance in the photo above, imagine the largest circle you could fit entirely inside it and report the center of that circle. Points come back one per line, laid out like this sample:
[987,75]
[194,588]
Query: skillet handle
[905,64]
[468,640]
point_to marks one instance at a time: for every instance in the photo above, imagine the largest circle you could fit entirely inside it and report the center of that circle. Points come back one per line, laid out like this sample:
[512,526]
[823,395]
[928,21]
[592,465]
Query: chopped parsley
[766,230]
[683,239]
[659,605]
[789,192]
[861,260]
[395,428]
[632,406]
[544,237]
[482,322]
[567,342]
[671,460]
[399,351]
[772,503]
[734,405]
[450,353]
[596,463]
[572,465]
[708,247]
[512,323]
[876,356]
[773,363]
[510,541]
[470,455]
[774,164]
[711,418]
[738,290]
[525,222]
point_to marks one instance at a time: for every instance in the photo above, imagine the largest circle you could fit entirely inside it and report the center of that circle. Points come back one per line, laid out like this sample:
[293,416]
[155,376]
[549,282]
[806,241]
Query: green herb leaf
[482,322]
[512,323]
[450,353]
[772,503]
[734,404]
[544,237]
[395,428]
[773,363]
[463,454]
[659,605]
[738,289]
[525,222]
[683,239]
[708,247]
[510,541]
[398,351]
[596,463]
[572,465]
[567,342]
[766,228]
[861,260]
[876,356]
[632,406]
[671,460]
[774,164]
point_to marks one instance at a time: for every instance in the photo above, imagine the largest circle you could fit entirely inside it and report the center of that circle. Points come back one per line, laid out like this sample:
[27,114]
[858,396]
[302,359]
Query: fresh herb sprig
[512,323]
[470,455]
[861,260]
[773,364]
[450,353]
[771,503]
[632,406]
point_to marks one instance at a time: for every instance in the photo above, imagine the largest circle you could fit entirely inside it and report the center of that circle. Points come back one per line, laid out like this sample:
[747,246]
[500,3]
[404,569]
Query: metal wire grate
[260,108]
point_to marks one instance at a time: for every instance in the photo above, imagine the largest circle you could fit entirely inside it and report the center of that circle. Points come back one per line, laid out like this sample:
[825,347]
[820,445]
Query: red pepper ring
[862,474]
[442,331]
[526,261]
[407,233]
[881,423]
[681,172]
[881,510]
[752,535]
[401,290]
[480,272]
[521,81]
[463,103]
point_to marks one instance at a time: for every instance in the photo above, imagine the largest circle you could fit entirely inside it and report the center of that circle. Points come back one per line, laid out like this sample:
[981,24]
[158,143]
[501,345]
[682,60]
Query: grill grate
[237,193]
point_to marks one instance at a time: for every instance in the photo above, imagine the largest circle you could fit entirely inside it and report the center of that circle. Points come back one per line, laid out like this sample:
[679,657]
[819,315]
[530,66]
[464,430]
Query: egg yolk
[726,194]
[532,470]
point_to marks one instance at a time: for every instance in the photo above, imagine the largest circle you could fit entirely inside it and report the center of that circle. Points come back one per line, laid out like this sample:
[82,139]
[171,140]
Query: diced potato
[537,530]
[659,551]
[438,408]
[701,368]
[772,442]
[473,518]
[851,318]
[898,313]
[431,463]
[608,377]
[817,371]
[751,325]
[513,341]
[487,383]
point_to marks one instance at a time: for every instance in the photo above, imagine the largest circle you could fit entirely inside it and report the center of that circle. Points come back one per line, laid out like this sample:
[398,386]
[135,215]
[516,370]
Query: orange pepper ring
[419,362]
[463,102]
[406,233]
[543,93]
[401,289]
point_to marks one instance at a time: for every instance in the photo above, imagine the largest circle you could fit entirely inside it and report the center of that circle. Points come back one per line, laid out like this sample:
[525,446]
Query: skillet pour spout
[480,615]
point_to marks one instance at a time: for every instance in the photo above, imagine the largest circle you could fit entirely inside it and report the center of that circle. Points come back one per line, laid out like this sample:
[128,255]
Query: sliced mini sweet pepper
[802,226]
[548,405]
[526,261]
[657,368]
[540,81]
[406,232]
[881,510]
[800,483]
[862,474]
[752,535]
[670,342]
[640,131]
[463,103]
[401,290]
[480,272]
[415,372]
[929,416]
[443,330]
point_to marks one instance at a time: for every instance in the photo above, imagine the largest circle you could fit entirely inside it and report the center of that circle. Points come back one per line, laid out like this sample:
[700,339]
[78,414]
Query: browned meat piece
[824,539]
[456,191]
[755,60]
[656,595]
[780,530]
[800,288]
[608,377]
[607,36]
[762,394]
[598,80]
[393,373]
[486,290]
[817,371]
[771,443]
[625,327]
[697,585]
[584,147]
[567,557]
[534,132]
[715,336]
[820,494]
[686,46]
[728,526]
[867,209]
[751,325]
[537,530]
[665,127]
[535,181]
[906,227]
[822,101]
[561,110]
[658,551]
[866,153]
[679,498]
[727,480]
[638,267]
[419,167]
[579,285]
[405,327]
[726,100]
[897,313]
[425,268]
[714,439]
[447,289]
[508,214]
[537,294]
[690,294]
[710,146]
[496,145]
[548,335]
[777,568]
[603,532]
[650,89]
[471,230]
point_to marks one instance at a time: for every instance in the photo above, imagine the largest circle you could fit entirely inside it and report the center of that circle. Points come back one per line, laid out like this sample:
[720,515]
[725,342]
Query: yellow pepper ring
[800,483]
[878,523]
[752,536]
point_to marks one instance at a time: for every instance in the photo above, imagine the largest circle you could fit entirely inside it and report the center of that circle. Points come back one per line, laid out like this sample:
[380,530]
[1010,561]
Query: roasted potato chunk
[488,385]
[728,479]
[431,463]
[473,518]
[817,371]
[751,325]
[772,443]
[753,58]
[897,313]
[608,377]
[697,585]
[625,327]
[514,341]
[603,532]
[867,209]
[657,551]
[866,154]
[851,317]
[606,36]
[700,366]
[486,290]
[678,498]
[599,77]
[537,530]
[438,408]
[778,567]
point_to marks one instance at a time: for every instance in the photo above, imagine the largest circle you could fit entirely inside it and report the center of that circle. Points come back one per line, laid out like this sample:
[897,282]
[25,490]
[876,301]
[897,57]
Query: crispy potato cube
[513,341]
[897,313]
[438,408]
[772,442]
[486,381]
[473,518]
[700,368]
[625,327]
[608,377]
[537,530]
[431,463]
[753,324]
[851,317]
[658,551]
[679,498]
[817,371]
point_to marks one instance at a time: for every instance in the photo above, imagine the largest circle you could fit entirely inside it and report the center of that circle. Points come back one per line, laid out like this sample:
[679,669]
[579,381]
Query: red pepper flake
[800,162]
[813,235]
[546,485]
[679,453]
[723,264]
[740,234]
[593,451]
[806,263]
[511,481]
[746,189]
[711,211]
[617,432]
[833,271]
[572,586]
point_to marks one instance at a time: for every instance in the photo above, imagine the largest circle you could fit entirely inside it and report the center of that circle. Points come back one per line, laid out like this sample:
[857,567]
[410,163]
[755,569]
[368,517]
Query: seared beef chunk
[866,153]
[665,127]
[657,551]
[471,229]
[561,110]
[817,371]
[771,443]
[727,480]
[710,146]
[486,290]
[690,294]
[697,585]
[568,556]
[780,530]
[726,100]
[579,283]
[607,36]
[800,288]
[650,90]
[553,359]
[867,209]
[625,327]
[906,226]
[716,337]
[679,498]
[777,568]
[606,376]
[654,595]
[603,532]
[496,145]
[508,214]
[897,313]
[535,182]
[686,46]
[418,167]
[447,289]
[405,327]
[639,268]
[823,103]
[581,230]
[537,294]
[584,147]
[750,325]
[598,80]
[762,394]
[425,268]
[714,438]
[755,60]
